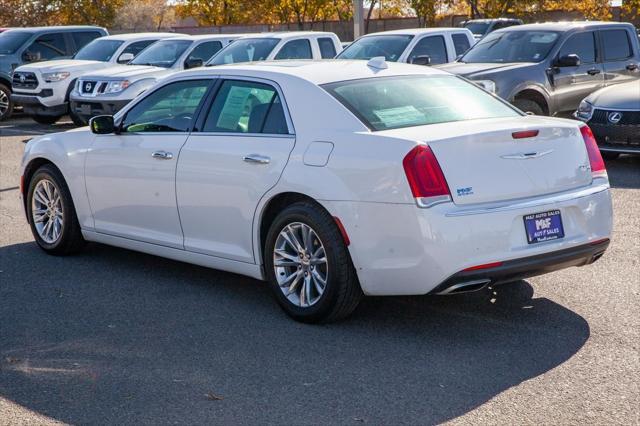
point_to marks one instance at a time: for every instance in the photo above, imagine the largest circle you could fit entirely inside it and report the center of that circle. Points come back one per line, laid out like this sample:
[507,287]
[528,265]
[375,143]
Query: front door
[130,177]
[225,169]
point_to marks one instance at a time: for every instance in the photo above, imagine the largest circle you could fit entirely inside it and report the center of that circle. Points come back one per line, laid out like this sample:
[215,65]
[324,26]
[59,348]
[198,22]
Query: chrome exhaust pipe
[466,287]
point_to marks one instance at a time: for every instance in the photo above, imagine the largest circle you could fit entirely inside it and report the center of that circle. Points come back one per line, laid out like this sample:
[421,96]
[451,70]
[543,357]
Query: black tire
[342,291]
[70,239]
[77,120]
[46,119]
[528,106]
[6,91]
[607,155]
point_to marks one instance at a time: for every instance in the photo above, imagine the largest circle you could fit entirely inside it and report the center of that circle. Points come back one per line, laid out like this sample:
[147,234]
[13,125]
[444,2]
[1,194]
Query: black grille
[601,116]
[24,80]
[87,86]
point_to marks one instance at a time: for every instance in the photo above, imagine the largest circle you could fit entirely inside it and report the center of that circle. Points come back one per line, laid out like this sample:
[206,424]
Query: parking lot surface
[114,336]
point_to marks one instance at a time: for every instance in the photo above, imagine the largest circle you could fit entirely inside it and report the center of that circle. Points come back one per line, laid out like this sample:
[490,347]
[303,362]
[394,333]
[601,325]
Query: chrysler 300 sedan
[329,180]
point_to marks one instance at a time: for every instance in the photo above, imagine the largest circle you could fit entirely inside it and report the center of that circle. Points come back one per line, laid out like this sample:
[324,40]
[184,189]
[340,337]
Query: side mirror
[125,57]
[102,125]
[421,60]
[193,63]
[568,61]
[30,56]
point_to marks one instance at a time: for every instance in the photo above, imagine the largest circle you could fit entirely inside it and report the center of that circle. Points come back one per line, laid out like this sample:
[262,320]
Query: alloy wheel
[46,211]
[4,102]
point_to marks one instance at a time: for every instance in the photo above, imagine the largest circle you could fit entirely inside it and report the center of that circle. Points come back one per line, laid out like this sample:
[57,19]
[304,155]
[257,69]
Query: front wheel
[528,106]
[6,105]
[309,267]
[46,119]
[77,120]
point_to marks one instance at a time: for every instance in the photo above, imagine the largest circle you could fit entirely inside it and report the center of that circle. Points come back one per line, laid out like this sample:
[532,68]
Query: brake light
[525,134]
[426,180]
[596,162]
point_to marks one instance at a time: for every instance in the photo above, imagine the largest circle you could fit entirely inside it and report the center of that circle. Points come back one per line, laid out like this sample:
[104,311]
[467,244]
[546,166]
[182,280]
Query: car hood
[618,96]
[128,72]
[477,70]
[59,65]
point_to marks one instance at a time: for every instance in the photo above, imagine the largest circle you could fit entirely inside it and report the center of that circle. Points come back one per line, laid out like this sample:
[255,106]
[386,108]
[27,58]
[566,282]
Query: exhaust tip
[466,287]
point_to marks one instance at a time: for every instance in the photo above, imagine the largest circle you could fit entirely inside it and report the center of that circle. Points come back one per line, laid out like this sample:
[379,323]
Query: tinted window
[616,45]
[295,49]
[48,46]
[433,47]
[389,46]
[164,53]
[136,47]
[403,101]
[99,50]
[205,50]
[10,41]
[460,43]
[246,107]
[245,50]
[169,109]
[512,46]
[583,45]
[85,37]
[327,48]
[478,28]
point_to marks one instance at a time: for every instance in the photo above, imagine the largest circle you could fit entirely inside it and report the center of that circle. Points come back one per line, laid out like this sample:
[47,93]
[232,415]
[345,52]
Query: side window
[83,38]
[246,107]
[327,48]
[169,109]
[205,50]
[47,46]
[137,47]
[295,49]
[460,43]
[581,44]
[433,47]
[616,45]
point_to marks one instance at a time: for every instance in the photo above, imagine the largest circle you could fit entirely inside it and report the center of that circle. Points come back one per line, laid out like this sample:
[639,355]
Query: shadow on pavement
[113,336]
[624,172]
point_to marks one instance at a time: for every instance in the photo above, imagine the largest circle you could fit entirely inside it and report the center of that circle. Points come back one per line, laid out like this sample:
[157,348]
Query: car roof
[206,37]
[316,72]
[284,35]
[563,26]
[138,36]
[416,31]
[493,20]
[58,28]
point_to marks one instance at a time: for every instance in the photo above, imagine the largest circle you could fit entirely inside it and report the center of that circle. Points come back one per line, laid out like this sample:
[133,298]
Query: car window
[245,50]
[246,107]
[98,50]
[460,43]
[205,50]
[433,47]
[477,28]
[47,47]
[83,38]
[581,44]
[12,40]
[137,47]
[389,46]
[295,49]
[616,45]
[512,46]
[169,109]
[163,54]
[327,48]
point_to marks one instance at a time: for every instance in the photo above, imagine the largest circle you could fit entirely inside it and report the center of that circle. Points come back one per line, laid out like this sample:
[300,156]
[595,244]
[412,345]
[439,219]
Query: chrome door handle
[256,158]
[593,71]
[162,155]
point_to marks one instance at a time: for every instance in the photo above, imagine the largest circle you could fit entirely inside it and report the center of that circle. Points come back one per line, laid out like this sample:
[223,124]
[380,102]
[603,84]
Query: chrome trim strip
[526,155]
[620,150]
[455,287]
[427,202]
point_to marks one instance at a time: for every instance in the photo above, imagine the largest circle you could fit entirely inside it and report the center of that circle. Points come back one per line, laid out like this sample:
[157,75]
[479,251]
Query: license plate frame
[543,226]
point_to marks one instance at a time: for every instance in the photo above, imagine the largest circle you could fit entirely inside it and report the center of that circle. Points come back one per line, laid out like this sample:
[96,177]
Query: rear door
[620,65]
[237,154]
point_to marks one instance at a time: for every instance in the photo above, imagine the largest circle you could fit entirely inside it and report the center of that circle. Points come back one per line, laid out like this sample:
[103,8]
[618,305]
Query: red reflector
[596,242]
[485,266]
[595,158]
[21,184]
[343,231]
[525,134]
[424,173]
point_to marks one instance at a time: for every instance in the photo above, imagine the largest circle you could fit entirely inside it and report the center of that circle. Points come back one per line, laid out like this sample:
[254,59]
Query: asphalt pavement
[112,336]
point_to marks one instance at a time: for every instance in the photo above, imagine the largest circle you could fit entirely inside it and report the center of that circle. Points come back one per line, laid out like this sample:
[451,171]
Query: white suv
[107,91]
[43,88]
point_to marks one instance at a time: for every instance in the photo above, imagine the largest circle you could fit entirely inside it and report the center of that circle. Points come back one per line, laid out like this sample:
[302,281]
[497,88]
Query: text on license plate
[543,226]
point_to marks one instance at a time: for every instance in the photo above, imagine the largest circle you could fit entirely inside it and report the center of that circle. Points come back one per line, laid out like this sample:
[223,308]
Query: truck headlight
[585,111]
[117,86]
[52,77]
[488,85]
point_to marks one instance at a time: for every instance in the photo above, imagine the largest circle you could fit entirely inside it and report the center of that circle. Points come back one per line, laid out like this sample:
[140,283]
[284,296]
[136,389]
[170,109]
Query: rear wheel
[46,119]
[52,215]
[6,105]
[309,267]
[609,155]
[528,106]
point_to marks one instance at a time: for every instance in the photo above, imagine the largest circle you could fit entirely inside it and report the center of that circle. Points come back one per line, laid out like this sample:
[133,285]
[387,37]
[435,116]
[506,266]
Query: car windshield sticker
[233,108]
[400,116]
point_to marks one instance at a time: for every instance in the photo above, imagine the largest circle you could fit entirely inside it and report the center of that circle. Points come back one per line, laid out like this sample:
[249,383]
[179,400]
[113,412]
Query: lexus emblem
[87,87]
[614,117]
[23,78]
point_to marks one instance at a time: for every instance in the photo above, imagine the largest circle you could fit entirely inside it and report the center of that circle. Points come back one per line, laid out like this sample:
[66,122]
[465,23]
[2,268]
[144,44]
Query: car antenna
[378,62]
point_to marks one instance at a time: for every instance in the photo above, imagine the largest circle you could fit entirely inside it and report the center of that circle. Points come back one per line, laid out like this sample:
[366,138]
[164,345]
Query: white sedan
[329,180]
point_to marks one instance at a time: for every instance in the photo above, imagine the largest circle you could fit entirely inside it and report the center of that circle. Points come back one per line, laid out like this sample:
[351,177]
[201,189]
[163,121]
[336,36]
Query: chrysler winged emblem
[614,117]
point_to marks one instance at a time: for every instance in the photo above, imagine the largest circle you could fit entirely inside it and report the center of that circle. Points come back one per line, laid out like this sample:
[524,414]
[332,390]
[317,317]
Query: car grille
[601,116]
[24,80]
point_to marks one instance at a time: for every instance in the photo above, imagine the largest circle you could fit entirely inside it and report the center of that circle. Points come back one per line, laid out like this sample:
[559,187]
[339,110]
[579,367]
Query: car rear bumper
[88,109]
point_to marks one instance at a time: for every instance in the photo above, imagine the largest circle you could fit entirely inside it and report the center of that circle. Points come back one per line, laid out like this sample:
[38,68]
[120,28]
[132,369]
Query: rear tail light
[596,162]
[426,180]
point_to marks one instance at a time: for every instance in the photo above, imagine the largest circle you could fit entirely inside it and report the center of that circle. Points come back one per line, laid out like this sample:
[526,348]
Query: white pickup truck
[110,89]
[43,88]
[420,46]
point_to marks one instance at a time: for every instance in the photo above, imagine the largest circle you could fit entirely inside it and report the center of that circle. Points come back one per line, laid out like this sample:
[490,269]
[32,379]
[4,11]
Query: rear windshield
[404,101]
[163,53]
[10,41]
[99,50]
[389,46]
[245,50]
[512,46]
[477,28]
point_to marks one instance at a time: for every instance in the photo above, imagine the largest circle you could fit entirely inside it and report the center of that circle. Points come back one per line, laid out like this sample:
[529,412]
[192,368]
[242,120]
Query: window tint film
[433,47]
[616,45]
[389,46]
[83,38]
[460,43]
[205,50]
[169,109]
[581,44]
[295,49]
[246,107]
[327,48]
[404,101]
[47,47]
